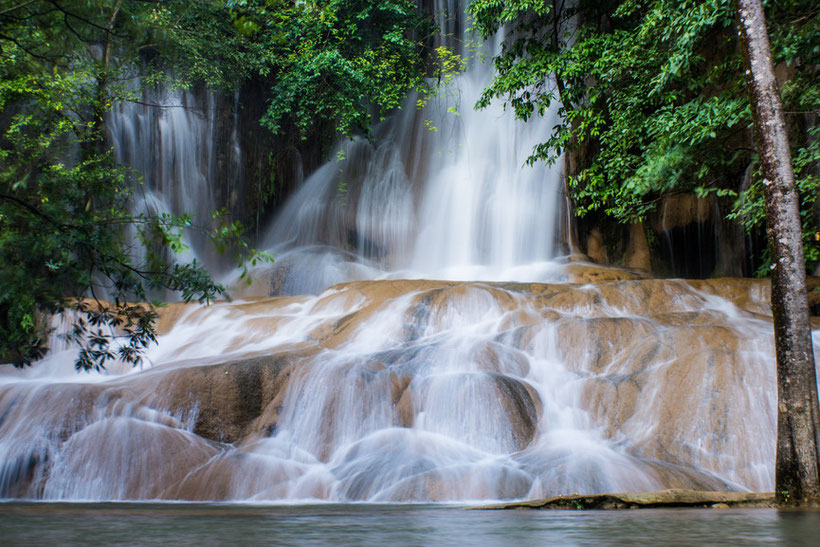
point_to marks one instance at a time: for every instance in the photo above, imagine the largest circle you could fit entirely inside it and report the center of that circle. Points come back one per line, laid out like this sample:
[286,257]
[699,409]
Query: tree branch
[18,6]
[24,48]
[84,20]
[30,208]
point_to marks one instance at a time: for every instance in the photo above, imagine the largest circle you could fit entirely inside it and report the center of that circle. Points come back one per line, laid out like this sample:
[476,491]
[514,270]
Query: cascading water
[396,388]
[413,391]
[176,141]
[444,194]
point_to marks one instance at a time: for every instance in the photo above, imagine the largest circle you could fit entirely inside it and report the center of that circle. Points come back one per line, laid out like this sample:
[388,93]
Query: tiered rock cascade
[403,390]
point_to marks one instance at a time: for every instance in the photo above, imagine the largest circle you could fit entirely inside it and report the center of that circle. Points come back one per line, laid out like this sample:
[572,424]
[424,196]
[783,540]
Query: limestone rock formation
[417,390]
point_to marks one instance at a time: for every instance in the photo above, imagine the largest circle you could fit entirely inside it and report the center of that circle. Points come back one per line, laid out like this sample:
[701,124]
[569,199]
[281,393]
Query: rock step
[644,500]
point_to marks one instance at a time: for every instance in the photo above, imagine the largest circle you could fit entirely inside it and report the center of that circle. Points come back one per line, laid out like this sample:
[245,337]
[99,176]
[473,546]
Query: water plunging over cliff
[443,193]
[184,146]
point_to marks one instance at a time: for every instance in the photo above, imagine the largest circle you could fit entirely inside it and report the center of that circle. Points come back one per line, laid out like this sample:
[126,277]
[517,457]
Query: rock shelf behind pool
[644,500]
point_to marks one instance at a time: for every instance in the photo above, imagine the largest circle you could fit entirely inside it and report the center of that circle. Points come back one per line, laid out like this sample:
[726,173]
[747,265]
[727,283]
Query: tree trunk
[95,143]
[797,467]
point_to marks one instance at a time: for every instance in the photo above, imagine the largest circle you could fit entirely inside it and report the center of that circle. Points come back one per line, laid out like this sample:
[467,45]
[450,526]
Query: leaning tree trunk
[797,467]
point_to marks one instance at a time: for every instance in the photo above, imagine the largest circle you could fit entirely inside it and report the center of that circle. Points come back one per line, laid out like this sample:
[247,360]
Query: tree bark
[797,467]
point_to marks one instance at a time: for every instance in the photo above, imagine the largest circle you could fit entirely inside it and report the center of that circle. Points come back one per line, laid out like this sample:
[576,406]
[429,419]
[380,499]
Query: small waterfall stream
[416,340]
[186,150]
[443,194]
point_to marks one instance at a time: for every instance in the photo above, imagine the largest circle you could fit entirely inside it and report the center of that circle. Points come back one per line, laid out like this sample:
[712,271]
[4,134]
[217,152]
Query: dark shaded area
[691,250]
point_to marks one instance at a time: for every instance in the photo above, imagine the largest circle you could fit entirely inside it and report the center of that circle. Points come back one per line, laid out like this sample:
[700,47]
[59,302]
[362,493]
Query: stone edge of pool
[645,500]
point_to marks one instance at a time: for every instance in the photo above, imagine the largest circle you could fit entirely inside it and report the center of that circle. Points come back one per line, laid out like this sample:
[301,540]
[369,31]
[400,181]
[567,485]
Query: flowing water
[444,194]
[414,391]
[185,148]
[416,340]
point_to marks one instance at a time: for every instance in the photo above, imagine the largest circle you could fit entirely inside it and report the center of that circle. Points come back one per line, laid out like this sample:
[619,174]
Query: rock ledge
[644,500]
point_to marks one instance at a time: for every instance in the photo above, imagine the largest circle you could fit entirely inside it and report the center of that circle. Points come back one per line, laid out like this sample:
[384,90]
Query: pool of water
[366,524]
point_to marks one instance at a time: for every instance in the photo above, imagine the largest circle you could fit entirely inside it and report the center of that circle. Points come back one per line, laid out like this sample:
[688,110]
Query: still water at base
[367,524]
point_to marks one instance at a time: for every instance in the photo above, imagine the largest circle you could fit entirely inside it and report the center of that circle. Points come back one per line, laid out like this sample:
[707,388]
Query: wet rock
[227,398]
[28,411]
[637,256]
[596,250]
[472,384]
[679,210]
[405,409]
[408,465]
[170,314]
[523,407]
[491,412]
[496,357]
[259,471]
[664,498]
[123,458]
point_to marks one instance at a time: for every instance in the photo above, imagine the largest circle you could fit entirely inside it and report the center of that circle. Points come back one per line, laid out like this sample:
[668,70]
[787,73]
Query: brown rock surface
[659,366]
[228,399]
[596,250]
[677,210]
[644,500]
[637,256]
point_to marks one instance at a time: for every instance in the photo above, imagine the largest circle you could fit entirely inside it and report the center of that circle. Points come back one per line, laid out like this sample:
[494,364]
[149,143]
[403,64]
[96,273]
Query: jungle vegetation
[654,99]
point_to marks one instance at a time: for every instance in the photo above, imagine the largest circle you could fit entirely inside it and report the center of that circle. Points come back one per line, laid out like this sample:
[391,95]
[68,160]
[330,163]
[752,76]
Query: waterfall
[402,390]
[186,150]
[443,192]
[423,343]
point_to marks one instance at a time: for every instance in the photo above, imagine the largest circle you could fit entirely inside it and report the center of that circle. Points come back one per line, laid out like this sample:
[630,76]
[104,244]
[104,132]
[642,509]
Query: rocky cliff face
[685,236]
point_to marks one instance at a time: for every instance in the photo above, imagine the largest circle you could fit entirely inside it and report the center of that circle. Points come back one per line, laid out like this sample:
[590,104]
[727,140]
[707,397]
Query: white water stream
[444,194]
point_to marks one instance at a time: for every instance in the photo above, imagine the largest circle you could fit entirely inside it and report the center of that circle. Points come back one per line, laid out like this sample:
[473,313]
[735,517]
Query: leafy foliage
[327,63]
[654,96]
[132,322]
